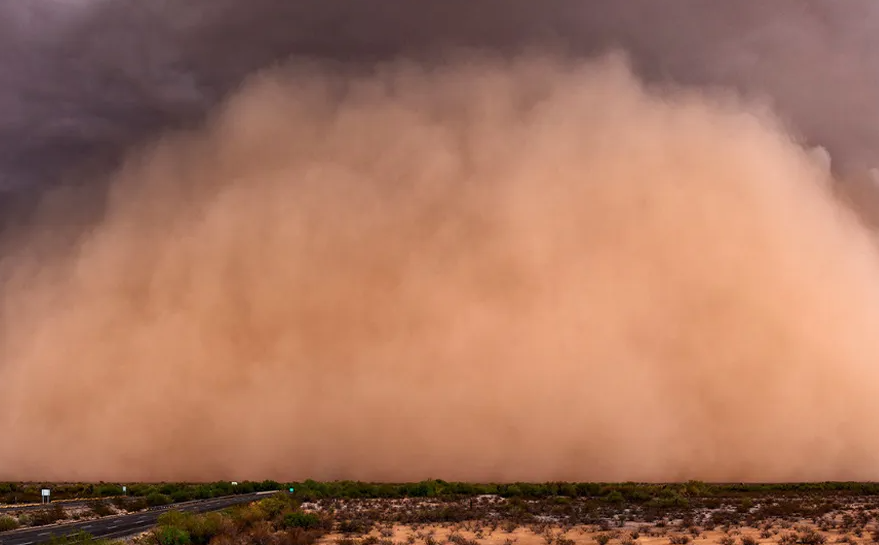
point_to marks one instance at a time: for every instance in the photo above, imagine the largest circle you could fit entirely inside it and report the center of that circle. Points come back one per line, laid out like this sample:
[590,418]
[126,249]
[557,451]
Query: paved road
[63,503]
[118,526]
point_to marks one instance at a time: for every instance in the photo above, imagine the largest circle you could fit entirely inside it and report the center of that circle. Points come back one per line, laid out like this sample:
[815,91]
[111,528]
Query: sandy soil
[440,533]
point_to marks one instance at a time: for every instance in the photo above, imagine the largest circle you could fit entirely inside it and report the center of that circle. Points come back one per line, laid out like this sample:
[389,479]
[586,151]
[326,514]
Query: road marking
[43,534]
[27,543]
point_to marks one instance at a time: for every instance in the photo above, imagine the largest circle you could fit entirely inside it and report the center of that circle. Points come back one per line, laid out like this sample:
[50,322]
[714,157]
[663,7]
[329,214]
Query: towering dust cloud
[492,270]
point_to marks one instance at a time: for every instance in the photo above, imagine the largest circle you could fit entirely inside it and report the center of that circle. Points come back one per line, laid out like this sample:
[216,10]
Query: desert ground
[449,514]
[807,520]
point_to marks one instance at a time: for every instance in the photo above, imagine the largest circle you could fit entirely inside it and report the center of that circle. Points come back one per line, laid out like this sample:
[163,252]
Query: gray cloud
[84,83]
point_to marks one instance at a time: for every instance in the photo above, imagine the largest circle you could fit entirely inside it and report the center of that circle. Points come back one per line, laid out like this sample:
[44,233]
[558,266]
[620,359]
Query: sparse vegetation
[275,520]
[8,523]
[49,515]
[23,493]
[307,521]
[100,508]
[81,538]
[436,512]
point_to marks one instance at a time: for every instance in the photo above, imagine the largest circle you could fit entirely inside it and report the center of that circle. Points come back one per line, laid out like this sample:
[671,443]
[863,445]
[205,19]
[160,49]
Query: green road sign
[291,489]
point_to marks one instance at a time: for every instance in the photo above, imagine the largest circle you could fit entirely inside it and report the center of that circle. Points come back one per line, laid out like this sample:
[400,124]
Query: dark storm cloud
[83,81]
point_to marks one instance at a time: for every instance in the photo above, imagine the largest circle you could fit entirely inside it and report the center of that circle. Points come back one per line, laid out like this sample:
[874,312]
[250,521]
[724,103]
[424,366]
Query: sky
[83,81]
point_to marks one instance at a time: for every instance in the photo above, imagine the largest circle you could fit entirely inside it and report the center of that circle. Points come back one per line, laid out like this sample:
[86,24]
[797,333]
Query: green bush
[79,538]
[171,535]
[246,516]
[277,505]
[109,490]
[298,519]
[8,523]
[615,496]
[181,495]
[200,528]
[174,518]
[156,499]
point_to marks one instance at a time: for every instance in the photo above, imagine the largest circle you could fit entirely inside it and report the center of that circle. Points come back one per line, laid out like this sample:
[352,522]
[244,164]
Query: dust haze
[489,269]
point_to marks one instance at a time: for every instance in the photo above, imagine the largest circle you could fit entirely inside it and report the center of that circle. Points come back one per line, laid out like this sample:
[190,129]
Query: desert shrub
[277,505]
[48,516]
[175,518]
[201,529]
[129,504]
[79,538]
[246,516]
[100,508]
[748,540]
[171,535]
[679,539]
[355,526]
[170,488]
[299,536]
[458,539]
[261,533]
[727,540]
[108,490]
[297,519]
[811,537]
[602,539]
[157,499]
[182,495]
[615,497]
[8,523]
[787,538]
